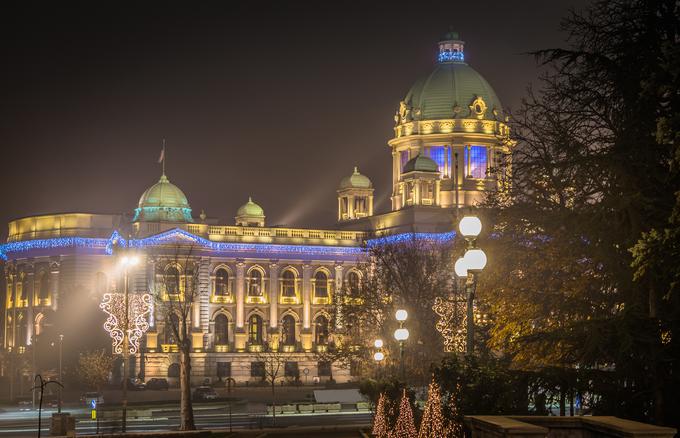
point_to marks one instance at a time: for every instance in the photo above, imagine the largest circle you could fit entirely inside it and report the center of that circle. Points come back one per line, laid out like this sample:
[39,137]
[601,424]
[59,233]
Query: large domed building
[259,287]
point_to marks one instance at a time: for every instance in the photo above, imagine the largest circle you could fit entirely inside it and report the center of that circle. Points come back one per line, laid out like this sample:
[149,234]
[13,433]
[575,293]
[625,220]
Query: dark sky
[275,100]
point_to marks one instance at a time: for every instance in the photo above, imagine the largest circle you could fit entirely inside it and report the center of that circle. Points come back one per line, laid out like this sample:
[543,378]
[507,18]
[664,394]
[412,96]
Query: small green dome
[356,181]
[250,209]
[163,201]
[420,163]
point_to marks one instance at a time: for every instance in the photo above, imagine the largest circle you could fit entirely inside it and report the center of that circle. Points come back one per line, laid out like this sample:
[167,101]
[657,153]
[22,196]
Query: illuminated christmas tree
[404,427]
[380,429]
[455,425]
[433,423]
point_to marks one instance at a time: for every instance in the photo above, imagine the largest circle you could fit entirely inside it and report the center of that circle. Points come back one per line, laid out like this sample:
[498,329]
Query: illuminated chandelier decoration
[452,322]
[139,307]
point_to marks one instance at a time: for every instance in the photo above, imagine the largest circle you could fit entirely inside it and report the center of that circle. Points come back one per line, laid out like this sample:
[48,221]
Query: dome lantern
[250,214]
[163,202]
[355,197]
[451,48]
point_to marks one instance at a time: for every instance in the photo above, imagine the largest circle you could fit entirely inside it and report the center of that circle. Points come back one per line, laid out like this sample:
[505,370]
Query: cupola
[250,214]
[355,197]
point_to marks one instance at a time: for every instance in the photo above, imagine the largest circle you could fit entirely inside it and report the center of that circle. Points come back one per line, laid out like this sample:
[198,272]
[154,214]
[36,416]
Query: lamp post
[401,335]
[126,262]
[378,356]
[61,341]
[469,266]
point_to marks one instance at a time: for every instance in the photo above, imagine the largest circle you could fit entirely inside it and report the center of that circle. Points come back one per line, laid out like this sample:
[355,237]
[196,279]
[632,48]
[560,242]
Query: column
[273,294]
[338,299]
[350,207]
[306,295]
[204,287]
[370,205]
[54,284]
[339,208]
[30,292]
[240,293]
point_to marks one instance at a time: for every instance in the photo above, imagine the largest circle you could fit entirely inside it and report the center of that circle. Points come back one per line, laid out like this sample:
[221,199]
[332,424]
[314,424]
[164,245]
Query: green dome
[250,209]
[356,181]
[163,201]
[451,84]
[420,163]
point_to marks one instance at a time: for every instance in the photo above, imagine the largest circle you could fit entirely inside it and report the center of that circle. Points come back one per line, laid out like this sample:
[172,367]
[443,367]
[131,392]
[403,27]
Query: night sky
[274,100]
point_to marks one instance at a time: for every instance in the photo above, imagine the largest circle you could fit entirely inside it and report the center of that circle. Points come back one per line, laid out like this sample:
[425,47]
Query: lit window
[288,330]
[320,285]
[221,330]
[438,155]
[221,282]
[172,281]
[403,156]
[476,161]
[255,330]
[255,283]
[288,284]
[321,332]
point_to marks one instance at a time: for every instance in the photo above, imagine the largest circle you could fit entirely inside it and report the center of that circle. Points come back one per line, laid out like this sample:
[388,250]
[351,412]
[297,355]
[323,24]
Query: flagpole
[163,157]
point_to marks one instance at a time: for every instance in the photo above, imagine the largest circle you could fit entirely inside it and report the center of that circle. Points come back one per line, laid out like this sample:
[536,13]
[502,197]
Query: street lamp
[61,341]
[127,261]
[401,335]
[468,267]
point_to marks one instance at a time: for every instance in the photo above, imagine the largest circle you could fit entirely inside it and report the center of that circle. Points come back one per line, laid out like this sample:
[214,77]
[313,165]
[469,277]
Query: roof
[420,163]
[250,209]
[356,180]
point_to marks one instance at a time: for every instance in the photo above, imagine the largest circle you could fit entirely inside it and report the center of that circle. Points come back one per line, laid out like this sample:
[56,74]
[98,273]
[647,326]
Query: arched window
[24,289]
[321,330]
[171,322]
[288,284]
[255,288]
[320,285]
[255,330]
[353,282]
[100,283]
[39,324]
[288,330]
[221,283]
[221,330]
[173,370]
[172,281]
[44,286]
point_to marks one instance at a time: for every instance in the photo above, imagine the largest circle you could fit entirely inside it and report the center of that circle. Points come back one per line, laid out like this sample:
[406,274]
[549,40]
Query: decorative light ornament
[460,268]
[470,226]
[401,334]
[401,315]
[139,307]
[378,356]
[378,343]
[475,259]
[452,321]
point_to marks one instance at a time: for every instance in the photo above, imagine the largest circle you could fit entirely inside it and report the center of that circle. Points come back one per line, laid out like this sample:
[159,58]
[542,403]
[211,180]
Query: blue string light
[170,213]
[446,56]
[178,235]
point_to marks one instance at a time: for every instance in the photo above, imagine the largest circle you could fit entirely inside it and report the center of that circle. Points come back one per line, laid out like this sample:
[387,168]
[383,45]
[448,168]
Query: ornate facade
[260,288]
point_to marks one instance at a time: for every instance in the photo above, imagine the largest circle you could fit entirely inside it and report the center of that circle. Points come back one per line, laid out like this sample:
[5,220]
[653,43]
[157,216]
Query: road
[24,423]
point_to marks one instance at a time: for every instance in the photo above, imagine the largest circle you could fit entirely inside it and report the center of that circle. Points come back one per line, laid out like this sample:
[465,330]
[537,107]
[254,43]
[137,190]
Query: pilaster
[273,294]
[240,295]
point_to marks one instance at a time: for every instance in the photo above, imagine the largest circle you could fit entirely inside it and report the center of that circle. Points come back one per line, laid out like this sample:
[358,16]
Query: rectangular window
[403,157]
[257,369]
[475,161]
[291,370]
[223,369]
[324,368]
[438,155]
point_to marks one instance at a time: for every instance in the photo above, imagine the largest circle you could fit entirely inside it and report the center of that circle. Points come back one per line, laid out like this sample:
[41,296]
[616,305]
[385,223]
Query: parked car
[157,384]
[89,396]
[24,403]
[135,384]
[204,393]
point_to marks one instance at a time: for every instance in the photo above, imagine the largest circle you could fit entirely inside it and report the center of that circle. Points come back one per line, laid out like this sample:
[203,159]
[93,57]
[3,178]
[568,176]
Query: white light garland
[139,307]
[452,322]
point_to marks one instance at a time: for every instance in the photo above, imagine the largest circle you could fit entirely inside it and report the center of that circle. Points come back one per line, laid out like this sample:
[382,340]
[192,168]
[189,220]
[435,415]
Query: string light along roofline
[178,235]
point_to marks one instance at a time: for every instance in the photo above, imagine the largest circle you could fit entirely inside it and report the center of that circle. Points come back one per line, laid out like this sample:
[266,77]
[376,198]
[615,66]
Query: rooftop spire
[451,48]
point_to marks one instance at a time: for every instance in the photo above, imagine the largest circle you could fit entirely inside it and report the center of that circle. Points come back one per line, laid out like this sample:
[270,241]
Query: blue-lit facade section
[163,213]
[447,56]
[438,155]
[476,161]
[178,236]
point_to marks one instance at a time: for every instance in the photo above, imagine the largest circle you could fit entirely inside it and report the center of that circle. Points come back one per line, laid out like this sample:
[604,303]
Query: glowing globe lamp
[475,259]
[460,268]
[401,334]
[470,226]
[401,315]
[378,343]
[378,356]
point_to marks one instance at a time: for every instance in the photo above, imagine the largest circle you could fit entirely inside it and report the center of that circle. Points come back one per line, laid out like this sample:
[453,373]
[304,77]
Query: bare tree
[94,368]
[273,368]
[176,294]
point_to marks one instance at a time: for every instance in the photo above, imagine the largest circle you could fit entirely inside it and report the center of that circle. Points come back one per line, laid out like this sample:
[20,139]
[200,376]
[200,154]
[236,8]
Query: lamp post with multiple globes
[469,267]
[378,356]
[401,335]
[127,261]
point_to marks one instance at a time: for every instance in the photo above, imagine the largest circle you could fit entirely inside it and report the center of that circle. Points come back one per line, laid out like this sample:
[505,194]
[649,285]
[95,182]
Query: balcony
[222,348]
[321,348]
[256,299]
[288,348]
[289,300]
[255,348]
[169,348]
[42,302]
[222,299]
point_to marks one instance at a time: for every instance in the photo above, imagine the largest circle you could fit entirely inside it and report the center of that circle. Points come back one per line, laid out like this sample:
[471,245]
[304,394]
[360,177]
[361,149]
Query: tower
[355,197]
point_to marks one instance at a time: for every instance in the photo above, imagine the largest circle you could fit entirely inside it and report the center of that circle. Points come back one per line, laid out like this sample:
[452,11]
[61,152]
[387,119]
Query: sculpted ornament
[478,107]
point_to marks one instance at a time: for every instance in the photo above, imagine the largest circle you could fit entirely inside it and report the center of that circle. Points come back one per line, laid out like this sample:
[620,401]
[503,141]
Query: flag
[162,157]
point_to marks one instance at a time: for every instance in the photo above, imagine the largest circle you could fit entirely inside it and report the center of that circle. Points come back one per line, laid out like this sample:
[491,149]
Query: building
[260,287]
